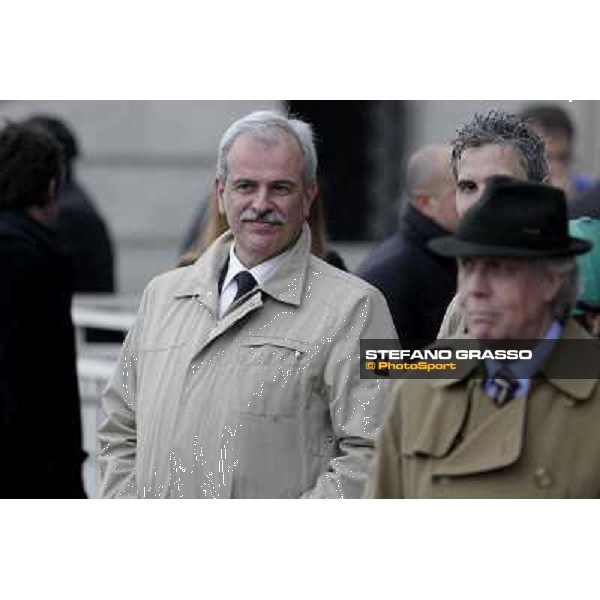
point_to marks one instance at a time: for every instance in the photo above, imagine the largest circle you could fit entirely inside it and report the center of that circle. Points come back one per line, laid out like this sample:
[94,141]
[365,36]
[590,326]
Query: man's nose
[476,282]
[260,199]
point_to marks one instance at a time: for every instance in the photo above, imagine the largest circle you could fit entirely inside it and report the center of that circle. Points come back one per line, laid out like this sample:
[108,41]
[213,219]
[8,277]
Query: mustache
[266,216]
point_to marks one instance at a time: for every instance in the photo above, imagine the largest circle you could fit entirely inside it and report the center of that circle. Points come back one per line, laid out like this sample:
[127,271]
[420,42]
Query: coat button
[543,478]
[569,402]
[441,479]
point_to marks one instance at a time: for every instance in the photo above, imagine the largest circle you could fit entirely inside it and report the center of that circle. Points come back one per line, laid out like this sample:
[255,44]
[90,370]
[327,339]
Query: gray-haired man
[240,377]
[503,428]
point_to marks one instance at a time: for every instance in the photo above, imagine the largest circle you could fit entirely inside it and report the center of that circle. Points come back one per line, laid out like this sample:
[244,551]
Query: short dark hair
[550,117]
[500,128]
[29,160]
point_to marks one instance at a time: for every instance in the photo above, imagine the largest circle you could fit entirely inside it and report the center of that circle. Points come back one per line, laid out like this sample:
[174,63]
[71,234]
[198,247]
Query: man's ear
[423,203]
[552,284]
[219,191]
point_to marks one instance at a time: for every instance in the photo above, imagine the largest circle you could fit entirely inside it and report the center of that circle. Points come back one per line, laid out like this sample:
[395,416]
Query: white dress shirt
[261,272]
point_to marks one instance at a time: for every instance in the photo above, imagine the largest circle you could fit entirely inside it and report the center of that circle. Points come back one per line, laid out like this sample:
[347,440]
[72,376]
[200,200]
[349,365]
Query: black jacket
[417,284]
[85,235]
[40,424]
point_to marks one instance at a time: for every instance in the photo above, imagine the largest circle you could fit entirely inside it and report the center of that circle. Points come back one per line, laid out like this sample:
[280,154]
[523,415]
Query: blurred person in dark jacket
[40,423]
[81,228]
[418,284]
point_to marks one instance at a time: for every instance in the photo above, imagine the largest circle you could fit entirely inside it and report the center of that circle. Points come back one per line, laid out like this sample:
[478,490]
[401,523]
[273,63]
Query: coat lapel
[492,444]
[201,284]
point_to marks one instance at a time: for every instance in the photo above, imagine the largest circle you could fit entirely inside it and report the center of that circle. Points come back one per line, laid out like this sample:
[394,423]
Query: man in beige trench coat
[240,377]
[502,429]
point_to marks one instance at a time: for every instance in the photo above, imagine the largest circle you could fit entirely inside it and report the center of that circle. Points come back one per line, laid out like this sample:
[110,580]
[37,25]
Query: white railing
[95,364]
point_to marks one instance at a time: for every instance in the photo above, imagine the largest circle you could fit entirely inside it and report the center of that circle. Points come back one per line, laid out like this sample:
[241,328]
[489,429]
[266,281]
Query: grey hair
[500,128]
[260,124]
[566,297]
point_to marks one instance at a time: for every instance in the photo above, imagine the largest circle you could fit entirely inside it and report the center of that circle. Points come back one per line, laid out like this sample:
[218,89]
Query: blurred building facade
[149,164]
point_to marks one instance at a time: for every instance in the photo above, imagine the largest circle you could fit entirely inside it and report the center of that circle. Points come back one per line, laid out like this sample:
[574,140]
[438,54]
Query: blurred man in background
[417,283]
[40,424]
[553,124]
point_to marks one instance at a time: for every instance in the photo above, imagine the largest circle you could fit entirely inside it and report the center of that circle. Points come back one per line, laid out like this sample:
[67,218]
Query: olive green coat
[447,439]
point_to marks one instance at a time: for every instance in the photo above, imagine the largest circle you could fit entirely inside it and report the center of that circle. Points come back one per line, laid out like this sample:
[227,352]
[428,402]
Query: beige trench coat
[264,403]
[446,438]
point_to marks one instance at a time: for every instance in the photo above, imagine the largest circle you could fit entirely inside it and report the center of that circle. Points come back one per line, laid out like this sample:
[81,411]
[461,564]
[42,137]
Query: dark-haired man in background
[40,423]
[497,143]
[80,226]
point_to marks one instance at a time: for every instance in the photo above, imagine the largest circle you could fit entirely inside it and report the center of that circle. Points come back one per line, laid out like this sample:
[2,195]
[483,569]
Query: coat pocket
[272,351]
[272,374]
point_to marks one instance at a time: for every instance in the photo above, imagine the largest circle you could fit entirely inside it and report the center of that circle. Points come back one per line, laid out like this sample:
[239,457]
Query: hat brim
[452,246]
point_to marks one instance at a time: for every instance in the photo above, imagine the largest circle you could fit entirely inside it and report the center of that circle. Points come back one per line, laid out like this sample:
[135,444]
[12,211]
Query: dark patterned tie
[505,386]
[245,282]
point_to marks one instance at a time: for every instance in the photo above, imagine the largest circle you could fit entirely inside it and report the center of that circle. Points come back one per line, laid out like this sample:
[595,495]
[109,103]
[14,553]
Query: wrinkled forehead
[272,148]
[257,153]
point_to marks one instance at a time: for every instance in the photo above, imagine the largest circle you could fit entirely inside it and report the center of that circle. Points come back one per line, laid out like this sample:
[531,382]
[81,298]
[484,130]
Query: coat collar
[579,389]
[465,368]
[420,225]
[286,284]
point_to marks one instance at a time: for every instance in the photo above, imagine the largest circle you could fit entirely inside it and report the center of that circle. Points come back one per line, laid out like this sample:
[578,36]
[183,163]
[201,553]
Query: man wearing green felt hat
[504,429]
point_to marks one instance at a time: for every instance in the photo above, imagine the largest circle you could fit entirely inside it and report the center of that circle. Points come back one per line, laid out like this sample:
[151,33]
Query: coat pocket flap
[280,342]
[431,425]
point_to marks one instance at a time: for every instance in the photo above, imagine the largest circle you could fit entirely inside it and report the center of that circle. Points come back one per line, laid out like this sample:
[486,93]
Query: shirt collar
[526,369]
[261,272]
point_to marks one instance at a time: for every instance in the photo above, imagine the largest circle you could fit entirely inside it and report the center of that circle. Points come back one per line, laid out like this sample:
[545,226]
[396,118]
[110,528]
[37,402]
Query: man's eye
[282,188]
[243,186]
[467,186]
[466,263]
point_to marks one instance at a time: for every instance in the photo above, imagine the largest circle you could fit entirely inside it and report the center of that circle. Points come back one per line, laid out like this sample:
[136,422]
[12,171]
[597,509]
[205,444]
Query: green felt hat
[514,218]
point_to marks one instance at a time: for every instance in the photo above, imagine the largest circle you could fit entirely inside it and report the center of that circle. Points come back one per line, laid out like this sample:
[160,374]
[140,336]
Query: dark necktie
[505,386]
[245,282]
